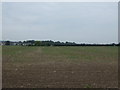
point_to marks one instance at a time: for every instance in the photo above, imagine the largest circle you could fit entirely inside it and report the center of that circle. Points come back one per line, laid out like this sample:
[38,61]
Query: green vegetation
[60,67]
[88,86]
[0,50]
[52,43]
[71,54]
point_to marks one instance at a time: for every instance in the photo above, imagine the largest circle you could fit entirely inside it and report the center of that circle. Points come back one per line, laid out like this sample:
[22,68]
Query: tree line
[53,43]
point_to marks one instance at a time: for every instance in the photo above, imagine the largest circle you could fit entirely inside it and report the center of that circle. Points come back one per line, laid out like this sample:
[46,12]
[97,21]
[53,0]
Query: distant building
[28,43]
[16,43]
[2,43]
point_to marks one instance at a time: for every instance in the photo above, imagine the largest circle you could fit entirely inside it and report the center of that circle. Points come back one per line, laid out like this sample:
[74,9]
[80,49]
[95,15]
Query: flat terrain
[0,67]
[60,67]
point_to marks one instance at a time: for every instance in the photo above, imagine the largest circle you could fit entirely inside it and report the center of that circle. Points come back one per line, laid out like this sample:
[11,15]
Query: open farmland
[60,67]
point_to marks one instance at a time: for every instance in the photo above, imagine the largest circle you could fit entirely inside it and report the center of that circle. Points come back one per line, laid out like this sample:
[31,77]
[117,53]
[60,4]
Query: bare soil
[59,74]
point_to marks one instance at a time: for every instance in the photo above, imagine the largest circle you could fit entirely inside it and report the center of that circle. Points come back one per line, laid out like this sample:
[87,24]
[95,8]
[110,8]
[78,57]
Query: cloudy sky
[75,22]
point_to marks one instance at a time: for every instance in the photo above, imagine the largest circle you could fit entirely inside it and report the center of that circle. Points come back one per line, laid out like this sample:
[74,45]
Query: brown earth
[59,74]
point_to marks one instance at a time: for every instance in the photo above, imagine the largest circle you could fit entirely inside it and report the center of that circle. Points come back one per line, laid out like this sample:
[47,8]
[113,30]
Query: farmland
[60,67]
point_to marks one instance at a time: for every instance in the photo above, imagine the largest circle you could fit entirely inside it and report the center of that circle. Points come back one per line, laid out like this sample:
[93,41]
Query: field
[60,67]
[0,67]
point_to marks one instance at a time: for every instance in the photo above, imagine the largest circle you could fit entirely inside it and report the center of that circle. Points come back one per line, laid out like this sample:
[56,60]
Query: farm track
[44,71]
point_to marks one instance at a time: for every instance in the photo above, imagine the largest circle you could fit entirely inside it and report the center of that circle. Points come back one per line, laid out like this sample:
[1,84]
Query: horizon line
[61,41]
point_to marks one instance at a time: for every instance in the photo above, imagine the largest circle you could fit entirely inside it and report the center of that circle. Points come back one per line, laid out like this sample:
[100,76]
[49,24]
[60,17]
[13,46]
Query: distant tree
[37,43]
[7,42]
[119,44]
[113,44]
[20,43]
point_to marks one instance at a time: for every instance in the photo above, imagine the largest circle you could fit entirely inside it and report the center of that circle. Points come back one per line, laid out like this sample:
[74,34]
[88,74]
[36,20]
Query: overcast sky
[75,22]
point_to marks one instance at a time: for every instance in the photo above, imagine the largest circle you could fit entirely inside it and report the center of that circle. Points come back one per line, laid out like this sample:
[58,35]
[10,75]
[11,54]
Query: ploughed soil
[46,72]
